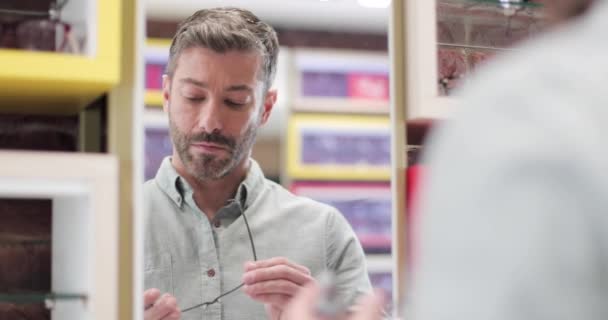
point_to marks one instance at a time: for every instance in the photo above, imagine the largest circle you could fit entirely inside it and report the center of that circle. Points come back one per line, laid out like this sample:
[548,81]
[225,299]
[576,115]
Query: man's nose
[210,117]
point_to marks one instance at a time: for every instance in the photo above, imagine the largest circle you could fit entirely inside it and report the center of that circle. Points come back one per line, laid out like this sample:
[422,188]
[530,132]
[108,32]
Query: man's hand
[275,282]
[302,306]
[157,307]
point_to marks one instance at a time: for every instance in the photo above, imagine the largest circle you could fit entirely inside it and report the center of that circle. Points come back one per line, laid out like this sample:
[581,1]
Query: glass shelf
[21,240]
[48,298]
[519,4]
[469,32]
[487,24]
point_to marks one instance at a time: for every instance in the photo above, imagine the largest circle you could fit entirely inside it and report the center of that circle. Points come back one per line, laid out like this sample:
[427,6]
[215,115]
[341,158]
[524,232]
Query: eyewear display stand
[93,250]
[36,80]
[84,242]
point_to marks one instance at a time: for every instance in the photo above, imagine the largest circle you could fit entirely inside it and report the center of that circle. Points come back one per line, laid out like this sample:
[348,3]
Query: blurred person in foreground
[513,216]
[209,211]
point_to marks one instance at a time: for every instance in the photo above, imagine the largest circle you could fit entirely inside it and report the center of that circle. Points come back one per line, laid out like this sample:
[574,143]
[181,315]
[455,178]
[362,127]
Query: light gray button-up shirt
[196,259]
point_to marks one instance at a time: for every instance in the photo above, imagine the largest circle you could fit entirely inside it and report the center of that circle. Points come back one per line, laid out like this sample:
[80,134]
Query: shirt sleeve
[346,258]
[512,216]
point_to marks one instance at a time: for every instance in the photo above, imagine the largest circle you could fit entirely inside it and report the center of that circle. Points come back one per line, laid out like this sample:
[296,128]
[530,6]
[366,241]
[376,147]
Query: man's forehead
[203,84]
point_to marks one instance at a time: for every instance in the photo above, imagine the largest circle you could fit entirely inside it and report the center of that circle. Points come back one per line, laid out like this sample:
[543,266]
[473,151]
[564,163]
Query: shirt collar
[177,188]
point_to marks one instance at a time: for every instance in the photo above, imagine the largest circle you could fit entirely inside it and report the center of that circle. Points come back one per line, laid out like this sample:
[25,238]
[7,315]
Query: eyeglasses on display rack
[37,30]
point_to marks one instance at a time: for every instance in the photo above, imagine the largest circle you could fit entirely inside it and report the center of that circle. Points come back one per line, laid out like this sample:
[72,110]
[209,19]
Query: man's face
[215,103]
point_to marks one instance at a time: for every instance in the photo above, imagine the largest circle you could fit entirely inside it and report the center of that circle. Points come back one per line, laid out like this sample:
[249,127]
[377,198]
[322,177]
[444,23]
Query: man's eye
[233,104]
[195,99]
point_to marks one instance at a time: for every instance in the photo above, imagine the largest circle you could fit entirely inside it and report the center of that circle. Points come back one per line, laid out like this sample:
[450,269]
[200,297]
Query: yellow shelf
[337,172]
[47,82]
[153,98]
[159,43]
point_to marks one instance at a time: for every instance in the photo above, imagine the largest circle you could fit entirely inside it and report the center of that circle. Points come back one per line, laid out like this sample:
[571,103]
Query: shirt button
[211,273]
[217,224]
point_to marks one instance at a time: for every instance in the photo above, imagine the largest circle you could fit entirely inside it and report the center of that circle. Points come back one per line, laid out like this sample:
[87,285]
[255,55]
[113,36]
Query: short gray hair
[225,29]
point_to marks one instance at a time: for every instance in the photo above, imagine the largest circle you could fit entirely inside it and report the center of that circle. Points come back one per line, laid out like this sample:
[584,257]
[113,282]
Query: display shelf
[21,240]
[445,41]
[156,56]
[338,147]
[366,207]
[379,263]
[49,82]
[41,297]
[340,81]
[84,237]
[153,98]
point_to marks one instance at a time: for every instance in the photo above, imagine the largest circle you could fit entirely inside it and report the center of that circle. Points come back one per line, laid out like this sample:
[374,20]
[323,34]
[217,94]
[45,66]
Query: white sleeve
[512,221]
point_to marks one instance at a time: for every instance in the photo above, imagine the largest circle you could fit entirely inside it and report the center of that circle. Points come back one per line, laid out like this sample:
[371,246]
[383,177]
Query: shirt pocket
[158,272]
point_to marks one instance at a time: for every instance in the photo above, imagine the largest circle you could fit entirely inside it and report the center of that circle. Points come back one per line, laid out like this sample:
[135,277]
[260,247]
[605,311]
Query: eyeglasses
[452,68]
[255,258]
[37,30]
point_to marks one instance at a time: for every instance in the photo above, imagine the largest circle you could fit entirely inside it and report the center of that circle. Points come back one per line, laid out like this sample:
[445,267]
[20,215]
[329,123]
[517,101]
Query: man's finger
[276,272]
[163,307]
[272,287]
[150,296]
[302,306]
[175,315]
[278,300]
[252,265]
[369,307]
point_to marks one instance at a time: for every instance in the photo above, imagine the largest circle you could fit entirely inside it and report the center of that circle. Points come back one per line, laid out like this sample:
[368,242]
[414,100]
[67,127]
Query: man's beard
[205,167]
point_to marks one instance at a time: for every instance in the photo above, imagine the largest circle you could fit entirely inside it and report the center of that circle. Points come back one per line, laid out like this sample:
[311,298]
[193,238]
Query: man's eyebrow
[194,82]
[239,87]
[242,87]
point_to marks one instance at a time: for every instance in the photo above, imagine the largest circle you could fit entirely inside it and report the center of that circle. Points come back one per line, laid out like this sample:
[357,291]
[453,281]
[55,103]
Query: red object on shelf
[154,74]
[368,86]
[414,176]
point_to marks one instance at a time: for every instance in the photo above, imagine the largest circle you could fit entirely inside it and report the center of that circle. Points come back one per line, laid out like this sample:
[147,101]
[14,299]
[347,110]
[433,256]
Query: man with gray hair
[221,241]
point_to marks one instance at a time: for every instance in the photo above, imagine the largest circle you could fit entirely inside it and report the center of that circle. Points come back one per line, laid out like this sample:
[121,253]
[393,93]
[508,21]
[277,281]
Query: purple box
[158,145]
[345,148]
[324,84]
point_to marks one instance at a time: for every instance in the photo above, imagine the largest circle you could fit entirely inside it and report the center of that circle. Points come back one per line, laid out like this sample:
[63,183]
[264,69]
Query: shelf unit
[340,81]
[85,227]
[95,210]
[49,82]
[337,147]
[156,57]
[431,42]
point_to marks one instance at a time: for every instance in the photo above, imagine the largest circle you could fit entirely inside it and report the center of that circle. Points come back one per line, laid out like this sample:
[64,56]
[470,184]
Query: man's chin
[210,170]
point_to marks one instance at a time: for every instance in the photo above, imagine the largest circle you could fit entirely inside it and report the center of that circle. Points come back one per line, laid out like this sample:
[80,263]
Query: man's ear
[269,101]
[166,92]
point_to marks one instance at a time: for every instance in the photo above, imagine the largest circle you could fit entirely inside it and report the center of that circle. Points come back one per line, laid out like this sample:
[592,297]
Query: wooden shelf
[47,82]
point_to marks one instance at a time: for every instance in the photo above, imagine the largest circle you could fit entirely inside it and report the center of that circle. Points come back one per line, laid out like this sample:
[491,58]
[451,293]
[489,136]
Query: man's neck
[211,195]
